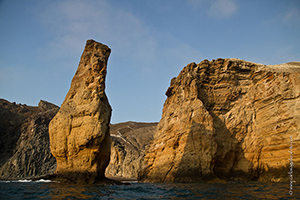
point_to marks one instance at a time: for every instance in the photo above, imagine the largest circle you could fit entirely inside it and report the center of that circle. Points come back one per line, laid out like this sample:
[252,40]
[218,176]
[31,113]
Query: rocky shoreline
[137,136]
[223,120]
[227,119]
[25,147]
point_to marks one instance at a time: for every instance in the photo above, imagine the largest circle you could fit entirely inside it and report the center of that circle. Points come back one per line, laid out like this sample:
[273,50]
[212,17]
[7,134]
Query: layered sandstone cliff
[129,141]
[228,119]
[24,140]
[79,133]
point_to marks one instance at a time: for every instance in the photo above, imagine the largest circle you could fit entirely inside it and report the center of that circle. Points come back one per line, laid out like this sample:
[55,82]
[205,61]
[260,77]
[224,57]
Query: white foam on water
[44,181]
[28,181]
[5,181]
[23,181]
[129,181]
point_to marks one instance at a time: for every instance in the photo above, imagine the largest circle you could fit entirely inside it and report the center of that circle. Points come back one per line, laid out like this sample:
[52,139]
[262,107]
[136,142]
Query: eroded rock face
[79,133]
[129,141]
[227,119]
[24,140]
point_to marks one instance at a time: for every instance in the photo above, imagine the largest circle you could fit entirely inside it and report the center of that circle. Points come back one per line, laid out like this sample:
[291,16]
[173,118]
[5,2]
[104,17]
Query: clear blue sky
[41,43]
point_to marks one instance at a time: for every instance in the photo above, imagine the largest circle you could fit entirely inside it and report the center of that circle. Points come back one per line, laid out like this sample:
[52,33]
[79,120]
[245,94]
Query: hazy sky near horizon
[152,40]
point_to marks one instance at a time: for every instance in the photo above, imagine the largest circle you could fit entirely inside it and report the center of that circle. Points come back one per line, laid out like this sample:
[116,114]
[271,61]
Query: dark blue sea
[44,189]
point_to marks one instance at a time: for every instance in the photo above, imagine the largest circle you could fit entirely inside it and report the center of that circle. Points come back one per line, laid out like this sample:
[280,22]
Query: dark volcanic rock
[24,140]
[129,141]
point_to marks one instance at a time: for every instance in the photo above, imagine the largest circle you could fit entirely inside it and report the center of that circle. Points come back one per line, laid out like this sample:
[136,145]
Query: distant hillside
[129,140]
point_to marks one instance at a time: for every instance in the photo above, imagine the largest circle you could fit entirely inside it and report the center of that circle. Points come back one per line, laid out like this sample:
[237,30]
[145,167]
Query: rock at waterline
[228,119]
[79,133]
[24,140]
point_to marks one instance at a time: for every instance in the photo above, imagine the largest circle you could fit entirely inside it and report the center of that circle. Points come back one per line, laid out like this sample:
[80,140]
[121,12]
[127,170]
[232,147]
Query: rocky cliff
[25,147]
[79,133]
[24,140]
[228,119]
[129,141]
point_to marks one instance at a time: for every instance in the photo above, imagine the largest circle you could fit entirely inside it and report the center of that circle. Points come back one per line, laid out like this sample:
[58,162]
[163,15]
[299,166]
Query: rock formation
[25,147]
[129,140]
[228,119]
[79,133]
[24,140]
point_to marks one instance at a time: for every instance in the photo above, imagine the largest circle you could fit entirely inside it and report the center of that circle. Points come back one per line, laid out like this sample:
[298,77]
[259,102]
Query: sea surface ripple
[45,189]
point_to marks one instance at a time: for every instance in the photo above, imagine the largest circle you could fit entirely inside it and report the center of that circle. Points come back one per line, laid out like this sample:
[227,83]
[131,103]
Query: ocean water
[44,189]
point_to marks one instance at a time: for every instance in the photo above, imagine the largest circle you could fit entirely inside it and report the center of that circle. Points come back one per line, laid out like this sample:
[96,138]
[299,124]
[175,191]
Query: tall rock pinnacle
[79,133]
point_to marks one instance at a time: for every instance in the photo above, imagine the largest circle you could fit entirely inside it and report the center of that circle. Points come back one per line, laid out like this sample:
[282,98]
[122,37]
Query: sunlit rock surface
[79,133]
[227,119]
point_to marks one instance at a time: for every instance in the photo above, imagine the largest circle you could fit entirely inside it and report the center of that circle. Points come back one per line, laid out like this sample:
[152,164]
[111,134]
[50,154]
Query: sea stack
[79,133]
[228,119]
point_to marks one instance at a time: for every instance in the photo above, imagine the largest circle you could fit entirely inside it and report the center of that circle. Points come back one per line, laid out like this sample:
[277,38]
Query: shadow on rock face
[79,133]
[227,119]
